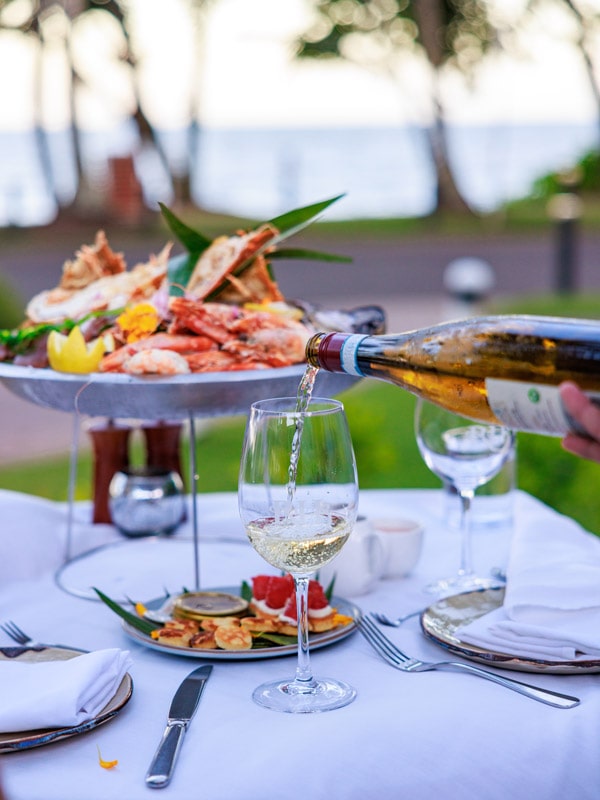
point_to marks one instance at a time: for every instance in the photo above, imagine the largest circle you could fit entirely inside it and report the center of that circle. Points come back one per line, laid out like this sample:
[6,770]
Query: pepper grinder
[163,446]
[111,454]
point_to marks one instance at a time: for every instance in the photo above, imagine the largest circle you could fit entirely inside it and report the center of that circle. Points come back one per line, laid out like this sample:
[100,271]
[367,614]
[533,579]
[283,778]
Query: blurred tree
[381,34]
[54,23]
[77,11]
[21,17]
[580,26]
[182,172]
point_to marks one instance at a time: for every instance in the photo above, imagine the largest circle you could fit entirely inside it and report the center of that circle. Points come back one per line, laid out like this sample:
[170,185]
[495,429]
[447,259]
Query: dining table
[438,734]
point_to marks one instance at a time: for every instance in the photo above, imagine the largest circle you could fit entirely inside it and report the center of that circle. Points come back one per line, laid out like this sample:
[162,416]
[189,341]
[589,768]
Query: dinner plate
[23,740]
[441,621]
[210,394]
[317,640]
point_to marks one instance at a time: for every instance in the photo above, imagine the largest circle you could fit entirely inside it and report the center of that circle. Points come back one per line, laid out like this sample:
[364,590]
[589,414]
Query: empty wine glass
[464,454]
[298,498]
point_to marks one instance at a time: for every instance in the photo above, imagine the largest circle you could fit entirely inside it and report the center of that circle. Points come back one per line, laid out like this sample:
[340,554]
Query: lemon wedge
[73,354]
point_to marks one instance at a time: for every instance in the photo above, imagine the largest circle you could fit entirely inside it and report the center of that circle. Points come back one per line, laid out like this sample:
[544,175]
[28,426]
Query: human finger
[581,408]
[582,446]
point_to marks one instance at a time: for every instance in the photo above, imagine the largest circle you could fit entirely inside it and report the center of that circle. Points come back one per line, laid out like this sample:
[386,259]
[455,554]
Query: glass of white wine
[298,498]
[465,455]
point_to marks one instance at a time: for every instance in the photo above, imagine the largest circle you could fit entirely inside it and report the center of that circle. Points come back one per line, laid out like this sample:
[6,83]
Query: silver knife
[182,710]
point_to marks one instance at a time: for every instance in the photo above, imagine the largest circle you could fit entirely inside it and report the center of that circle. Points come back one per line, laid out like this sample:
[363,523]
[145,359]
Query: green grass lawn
[381,421]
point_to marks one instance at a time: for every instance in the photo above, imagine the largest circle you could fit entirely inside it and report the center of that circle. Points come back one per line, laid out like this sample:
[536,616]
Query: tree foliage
[581,28]
[380,34]
[446,31]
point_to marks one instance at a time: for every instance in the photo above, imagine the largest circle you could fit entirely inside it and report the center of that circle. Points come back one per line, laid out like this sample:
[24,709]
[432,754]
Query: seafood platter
[206,332]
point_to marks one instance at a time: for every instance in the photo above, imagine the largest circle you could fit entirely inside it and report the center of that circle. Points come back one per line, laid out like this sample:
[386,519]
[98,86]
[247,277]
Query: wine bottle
[503,369]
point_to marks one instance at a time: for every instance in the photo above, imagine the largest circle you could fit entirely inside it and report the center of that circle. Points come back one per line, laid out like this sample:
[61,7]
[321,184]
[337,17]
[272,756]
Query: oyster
[369,320]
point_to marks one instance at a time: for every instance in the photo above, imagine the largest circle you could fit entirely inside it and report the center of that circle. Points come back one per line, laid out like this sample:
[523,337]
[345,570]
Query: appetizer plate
[317,640]
[441,621]
[23,740]
[210,394]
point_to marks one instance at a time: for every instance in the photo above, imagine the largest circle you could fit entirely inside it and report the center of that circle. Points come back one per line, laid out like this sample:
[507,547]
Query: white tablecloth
[430,735]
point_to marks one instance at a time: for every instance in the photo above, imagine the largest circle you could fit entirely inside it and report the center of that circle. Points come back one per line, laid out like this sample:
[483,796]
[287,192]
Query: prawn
[156,362]
[114,362]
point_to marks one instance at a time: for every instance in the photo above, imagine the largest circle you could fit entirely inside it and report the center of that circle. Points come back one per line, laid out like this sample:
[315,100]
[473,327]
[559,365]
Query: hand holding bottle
[587,415]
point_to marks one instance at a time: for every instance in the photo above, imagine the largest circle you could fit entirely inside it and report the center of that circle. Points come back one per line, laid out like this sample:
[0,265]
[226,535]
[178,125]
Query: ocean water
[383,171]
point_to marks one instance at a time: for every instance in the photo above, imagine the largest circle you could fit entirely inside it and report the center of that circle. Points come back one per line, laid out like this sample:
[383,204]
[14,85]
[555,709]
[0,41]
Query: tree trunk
[147,133]
[182,183]
[83,194]
[448,196]
[429,16]
[586,48]
[41,137]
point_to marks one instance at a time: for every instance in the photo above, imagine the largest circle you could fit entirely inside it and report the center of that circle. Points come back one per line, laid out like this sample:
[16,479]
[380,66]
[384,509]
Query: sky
[244,75]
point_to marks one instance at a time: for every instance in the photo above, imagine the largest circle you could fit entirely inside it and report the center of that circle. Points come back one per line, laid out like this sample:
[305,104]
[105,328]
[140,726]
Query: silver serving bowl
[117,395]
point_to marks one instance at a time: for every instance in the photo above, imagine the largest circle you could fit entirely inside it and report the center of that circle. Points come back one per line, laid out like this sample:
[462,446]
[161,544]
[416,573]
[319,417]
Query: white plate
[442,619]
[23,740]
[317,640]
[210,394]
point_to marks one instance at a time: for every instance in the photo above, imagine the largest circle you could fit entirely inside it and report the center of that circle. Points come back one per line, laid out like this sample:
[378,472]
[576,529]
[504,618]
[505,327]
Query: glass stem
[194,488]
[304,675]
[466,558]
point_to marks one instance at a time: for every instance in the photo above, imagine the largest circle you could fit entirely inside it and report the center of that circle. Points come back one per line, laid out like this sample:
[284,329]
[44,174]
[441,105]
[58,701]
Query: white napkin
[551,607]
[56,694]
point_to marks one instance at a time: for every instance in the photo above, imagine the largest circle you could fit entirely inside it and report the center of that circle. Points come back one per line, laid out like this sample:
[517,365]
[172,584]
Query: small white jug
[402,540]
[358,565]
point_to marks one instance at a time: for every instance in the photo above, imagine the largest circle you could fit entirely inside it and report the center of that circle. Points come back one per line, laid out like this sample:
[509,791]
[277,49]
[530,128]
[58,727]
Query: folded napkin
[551,608]
[57,694]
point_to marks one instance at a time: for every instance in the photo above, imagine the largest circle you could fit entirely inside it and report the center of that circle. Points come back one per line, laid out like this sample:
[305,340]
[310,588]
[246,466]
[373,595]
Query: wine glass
[464,454]
[298,498]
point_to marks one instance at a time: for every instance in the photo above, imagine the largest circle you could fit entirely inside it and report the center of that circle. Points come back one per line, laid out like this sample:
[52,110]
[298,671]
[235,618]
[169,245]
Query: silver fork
[394,656]
[18,635]
[394,623]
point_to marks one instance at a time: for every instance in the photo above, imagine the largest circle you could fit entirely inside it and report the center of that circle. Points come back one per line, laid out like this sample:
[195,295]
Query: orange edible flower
[341,619]
[106,764]
[139,321]
[140,609]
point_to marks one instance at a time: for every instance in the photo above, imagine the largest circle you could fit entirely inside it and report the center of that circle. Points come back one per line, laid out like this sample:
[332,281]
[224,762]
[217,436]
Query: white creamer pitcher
[359,564]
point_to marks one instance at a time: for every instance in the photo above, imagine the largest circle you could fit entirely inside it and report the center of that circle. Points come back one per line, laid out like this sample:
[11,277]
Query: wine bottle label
[532,407]
[348,354]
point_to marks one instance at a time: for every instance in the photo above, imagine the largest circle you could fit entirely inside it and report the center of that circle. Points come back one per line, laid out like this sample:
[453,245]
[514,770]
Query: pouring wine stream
[303,397]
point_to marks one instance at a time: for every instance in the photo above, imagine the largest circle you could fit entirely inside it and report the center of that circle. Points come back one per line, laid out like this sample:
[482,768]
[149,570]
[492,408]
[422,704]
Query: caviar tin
[197,605]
